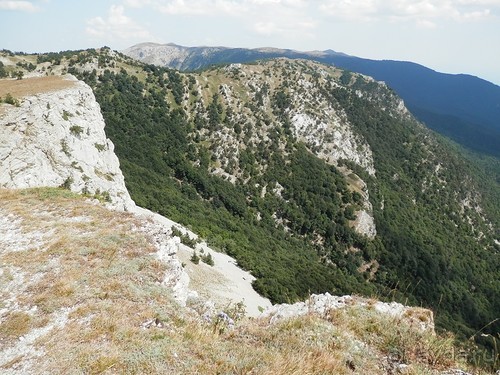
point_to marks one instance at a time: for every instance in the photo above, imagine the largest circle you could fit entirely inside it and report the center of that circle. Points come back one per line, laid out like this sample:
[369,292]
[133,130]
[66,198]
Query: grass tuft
[15,325]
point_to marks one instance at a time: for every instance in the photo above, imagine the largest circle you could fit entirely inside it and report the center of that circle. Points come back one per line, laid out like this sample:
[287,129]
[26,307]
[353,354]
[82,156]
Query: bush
[207,258]
[76,130]
[100,147]
[9,99]
[3,72]
[65,148]
[185,239]
[67,183]
[195,258]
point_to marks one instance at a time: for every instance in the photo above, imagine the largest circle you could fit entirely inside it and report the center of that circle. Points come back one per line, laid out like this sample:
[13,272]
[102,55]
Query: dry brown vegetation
[80,282]
[30,86]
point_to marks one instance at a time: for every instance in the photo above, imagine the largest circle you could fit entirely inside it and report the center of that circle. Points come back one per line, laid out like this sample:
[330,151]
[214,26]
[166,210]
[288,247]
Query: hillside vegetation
[246,156]
[460,106]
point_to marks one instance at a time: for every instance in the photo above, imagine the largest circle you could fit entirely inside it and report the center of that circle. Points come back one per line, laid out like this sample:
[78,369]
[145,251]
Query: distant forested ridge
[460,106]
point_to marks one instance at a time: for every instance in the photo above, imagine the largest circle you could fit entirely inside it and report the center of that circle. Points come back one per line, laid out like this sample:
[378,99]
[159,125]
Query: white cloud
[425,24]
[495,3]
[137,3]
[288,3]
[476,15]
[220,7]
[25,6]
[267,28]
[289,18]
[350,10]
[200,7]
[299,19]
[117,26]
[421,12]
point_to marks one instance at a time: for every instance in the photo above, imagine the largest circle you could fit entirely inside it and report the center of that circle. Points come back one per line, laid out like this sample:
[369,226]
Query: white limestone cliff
[57,138]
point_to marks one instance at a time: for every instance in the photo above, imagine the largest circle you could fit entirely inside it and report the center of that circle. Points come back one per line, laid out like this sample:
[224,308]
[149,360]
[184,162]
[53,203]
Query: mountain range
[462,107]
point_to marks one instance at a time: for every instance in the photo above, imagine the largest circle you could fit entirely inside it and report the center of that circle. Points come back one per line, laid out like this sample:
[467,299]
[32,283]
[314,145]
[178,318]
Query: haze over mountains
[462,107]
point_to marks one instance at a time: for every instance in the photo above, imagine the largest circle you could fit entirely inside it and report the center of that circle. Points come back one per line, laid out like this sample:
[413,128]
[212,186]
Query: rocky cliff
[55,137]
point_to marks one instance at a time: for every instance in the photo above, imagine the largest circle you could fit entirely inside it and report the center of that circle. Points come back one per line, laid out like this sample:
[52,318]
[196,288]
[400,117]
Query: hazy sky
[453,36]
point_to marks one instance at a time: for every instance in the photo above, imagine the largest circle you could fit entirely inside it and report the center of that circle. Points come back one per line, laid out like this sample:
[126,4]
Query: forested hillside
[248,156]
[460,106]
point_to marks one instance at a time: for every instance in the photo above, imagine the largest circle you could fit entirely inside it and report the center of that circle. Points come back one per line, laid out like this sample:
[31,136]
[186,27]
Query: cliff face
[56,138]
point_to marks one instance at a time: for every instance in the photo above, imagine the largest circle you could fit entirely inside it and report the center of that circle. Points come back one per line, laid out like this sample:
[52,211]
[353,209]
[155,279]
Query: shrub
[195,258]
[65,148]
[76,130]
[207,258]
[100,147]
[185,239]
[67,183]
[102,196]
[66,115]
[9,99]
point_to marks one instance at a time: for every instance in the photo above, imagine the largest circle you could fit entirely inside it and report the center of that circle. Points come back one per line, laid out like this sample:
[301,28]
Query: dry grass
[32,86]
[100,273]
[15,325]
[397,338]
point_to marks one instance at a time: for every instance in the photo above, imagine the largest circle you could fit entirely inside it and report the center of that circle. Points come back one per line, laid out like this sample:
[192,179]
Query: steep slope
[53,135]
[462,107]
[249,157]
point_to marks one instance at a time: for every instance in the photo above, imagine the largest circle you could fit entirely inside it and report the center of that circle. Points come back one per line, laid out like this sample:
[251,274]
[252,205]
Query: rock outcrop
[56,138]
[323,304]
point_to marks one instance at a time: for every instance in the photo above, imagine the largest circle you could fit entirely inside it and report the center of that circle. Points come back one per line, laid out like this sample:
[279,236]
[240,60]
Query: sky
[450,36]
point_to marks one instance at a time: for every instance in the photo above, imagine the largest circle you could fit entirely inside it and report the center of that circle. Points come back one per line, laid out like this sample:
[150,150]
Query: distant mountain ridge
[462,107]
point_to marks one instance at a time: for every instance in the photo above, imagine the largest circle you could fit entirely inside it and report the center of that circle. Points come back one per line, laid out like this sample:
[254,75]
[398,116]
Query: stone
[322,304]
[56,138]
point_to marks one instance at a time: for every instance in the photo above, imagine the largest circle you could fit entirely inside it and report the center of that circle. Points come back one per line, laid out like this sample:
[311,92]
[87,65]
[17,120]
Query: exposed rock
[165,54]
[167,245]
[365,224]
[202,288]
[323,304]
[330,135]
[57,138]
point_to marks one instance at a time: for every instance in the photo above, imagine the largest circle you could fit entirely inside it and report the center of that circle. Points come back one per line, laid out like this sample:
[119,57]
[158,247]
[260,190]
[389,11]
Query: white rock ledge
[322,304]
